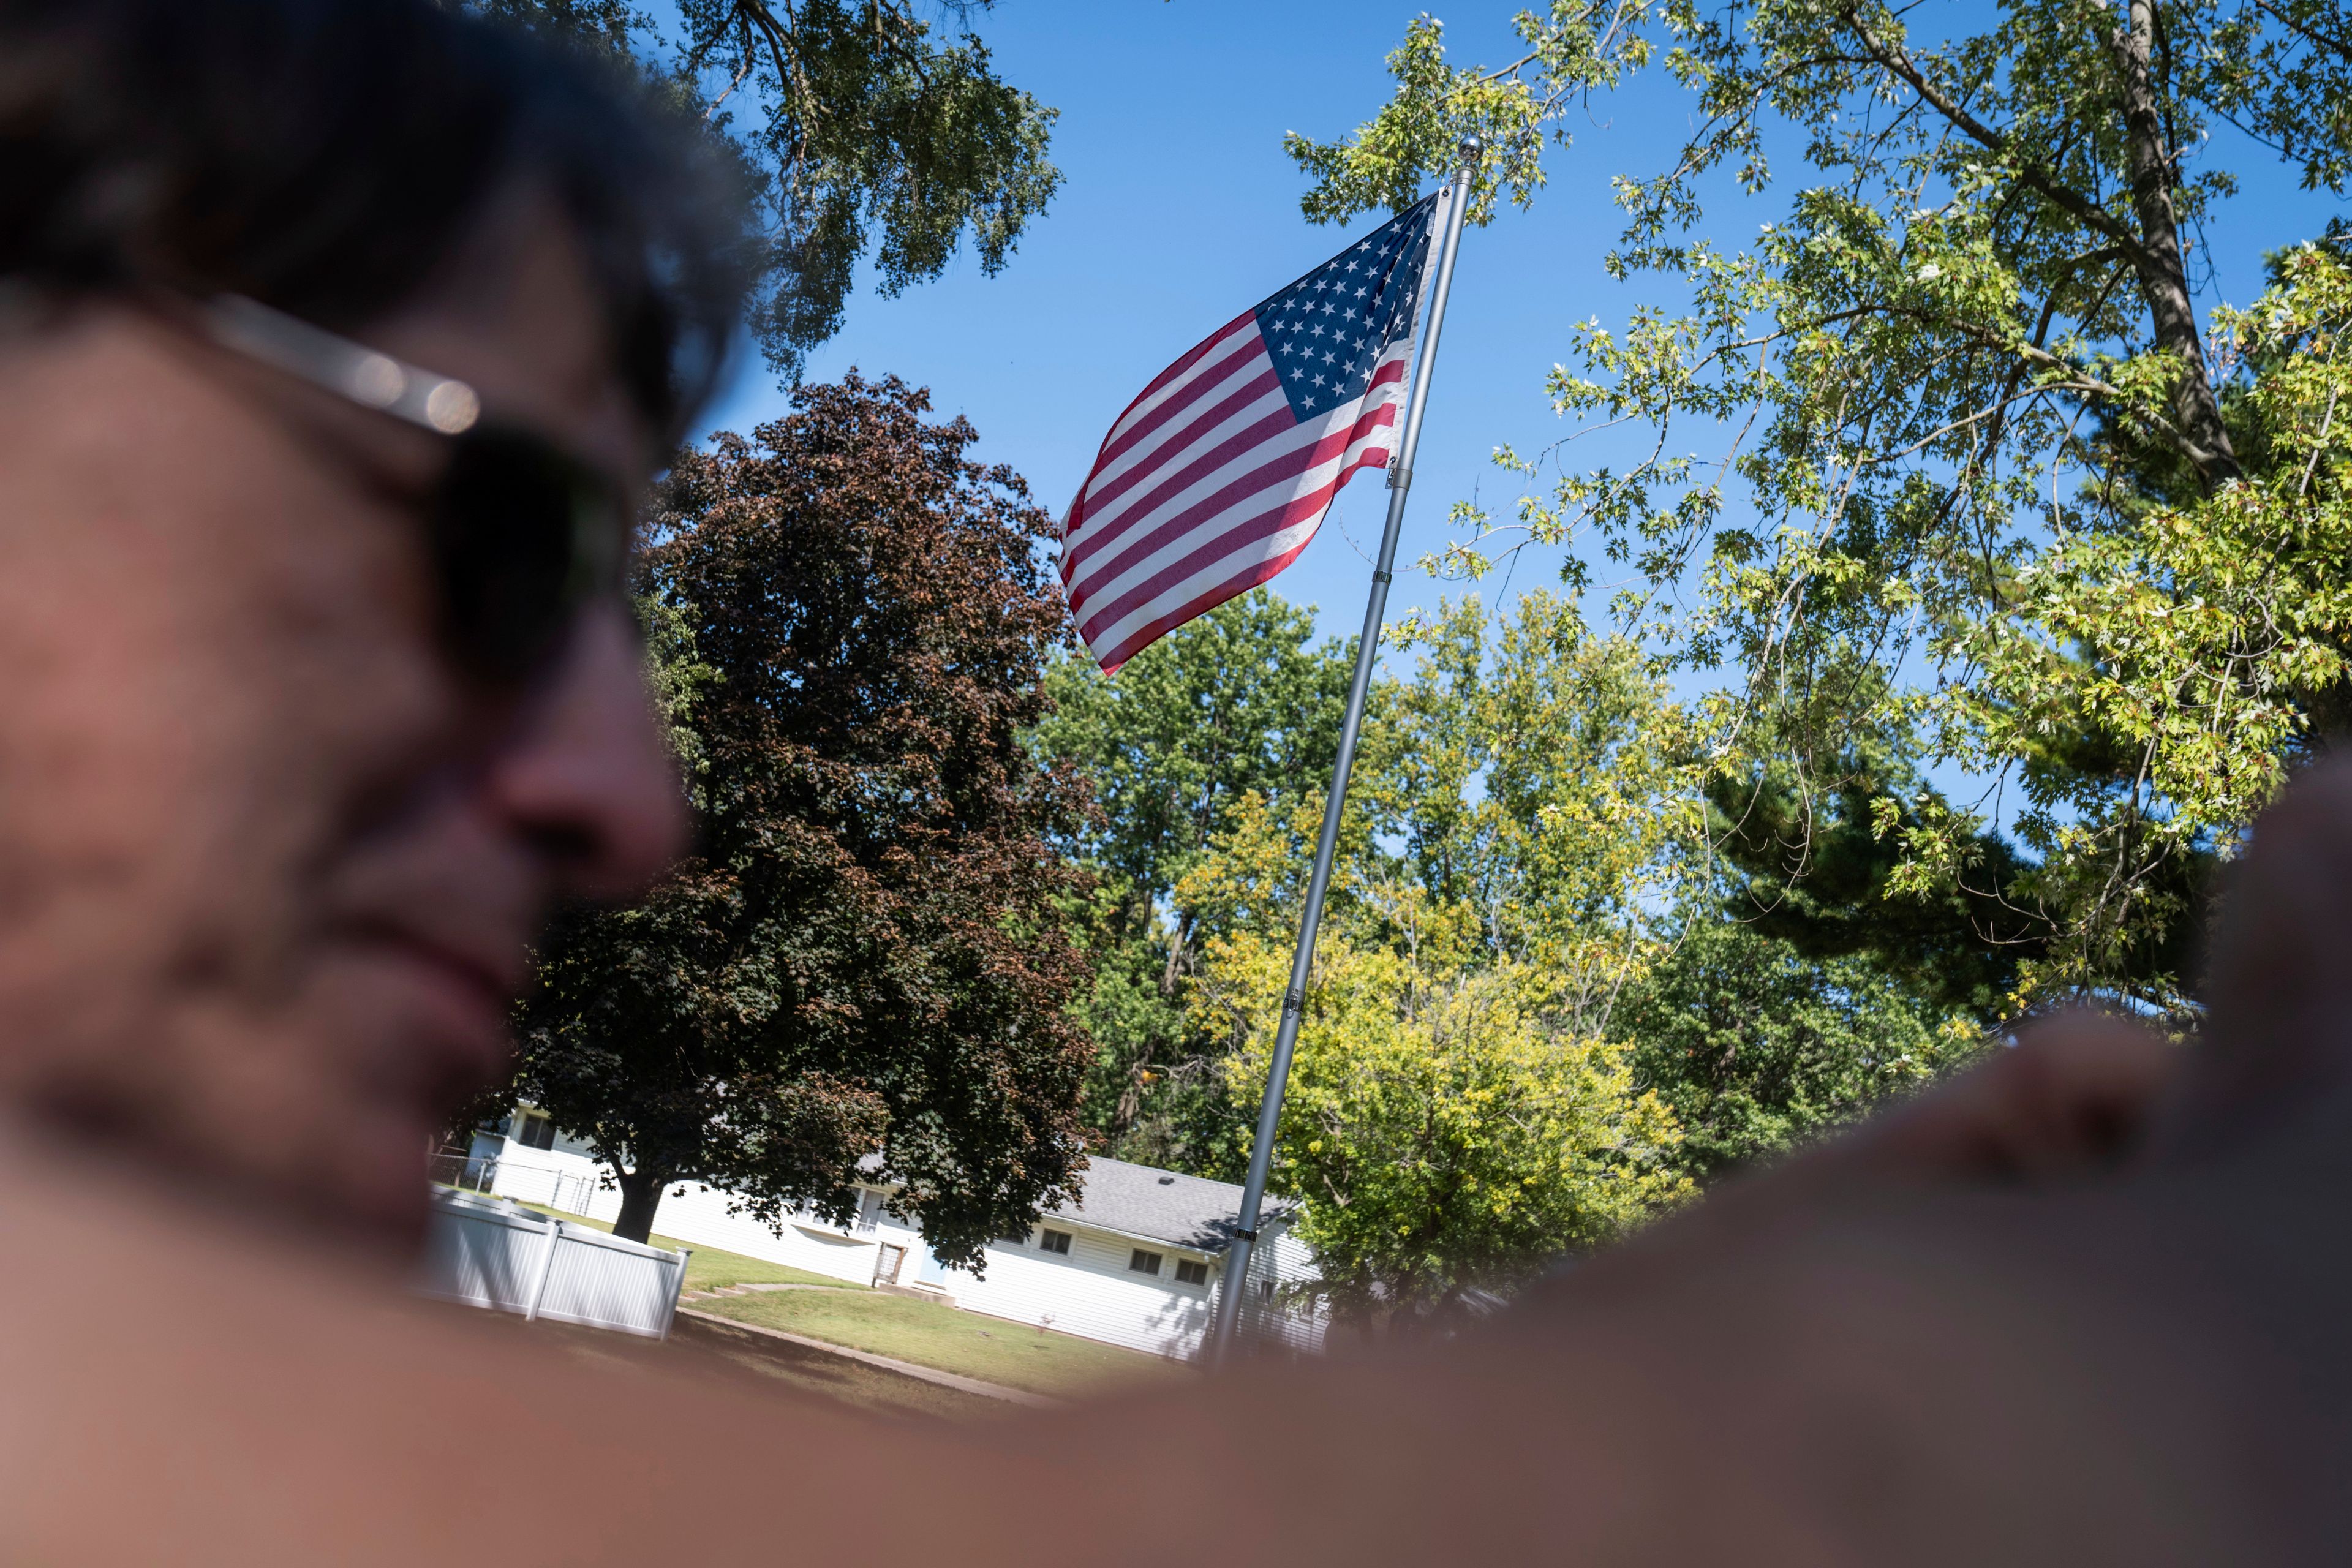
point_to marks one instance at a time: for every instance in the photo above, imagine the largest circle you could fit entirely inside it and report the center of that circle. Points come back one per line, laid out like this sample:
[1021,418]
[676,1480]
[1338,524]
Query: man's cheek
[406,1029]
[374,1174]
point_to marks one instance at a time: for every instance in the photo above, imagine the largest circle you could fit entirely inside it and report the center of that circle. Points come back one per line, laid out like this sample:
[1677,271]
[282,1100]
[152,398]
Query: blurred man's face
[267,859]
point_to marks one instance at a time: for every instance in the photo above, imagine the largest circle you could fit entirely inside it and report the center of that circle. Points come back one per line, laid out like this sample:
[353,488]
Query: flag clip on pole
[1294,1001]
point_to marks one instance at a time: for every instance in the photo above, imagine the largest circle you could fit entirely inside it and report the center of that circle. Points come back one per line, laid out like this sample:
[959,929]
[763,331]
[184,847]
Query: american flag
[1218,475]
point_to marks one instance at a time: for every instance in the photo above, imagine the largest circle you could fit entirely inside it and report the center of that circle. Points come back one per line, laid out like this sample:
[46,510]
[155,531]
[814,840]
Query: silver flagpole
[1293,1001]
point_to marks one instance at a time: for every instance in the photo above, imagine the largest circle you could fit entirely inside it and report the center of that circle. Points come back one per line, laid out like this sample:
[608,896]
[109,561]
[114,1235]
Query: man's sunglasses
[523,533]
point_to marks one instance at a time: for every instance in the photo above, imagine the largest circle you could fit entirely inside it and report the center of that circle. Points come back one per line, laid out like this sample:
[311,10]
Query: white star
[1318,381]
[1318,329]
[1297,374]
[1328,357]
[1361,291]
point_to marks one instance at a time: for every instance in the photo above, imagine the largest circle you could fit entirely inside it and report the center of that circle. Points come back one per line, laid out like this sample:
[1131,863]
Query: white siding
[1091,1291]
[698,1215]
[1285,1260]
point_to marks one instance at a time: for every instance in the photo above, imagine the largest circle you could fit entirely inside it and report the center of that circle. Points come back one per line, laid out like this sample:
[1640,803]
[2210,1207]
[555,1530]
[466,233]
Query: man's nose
[590,780]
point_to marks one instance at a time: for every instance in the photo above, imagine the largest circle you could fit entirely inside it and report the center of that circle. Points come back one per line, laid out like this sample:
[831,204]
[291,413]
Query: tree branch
[2155,251]
[2076,206]
[2337,43]
[2164,275]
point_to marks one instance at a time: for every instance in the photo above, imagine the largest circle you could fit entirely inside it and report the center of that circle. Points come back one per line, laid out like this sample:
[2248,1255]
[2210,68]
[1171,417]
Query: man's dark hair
[324,156]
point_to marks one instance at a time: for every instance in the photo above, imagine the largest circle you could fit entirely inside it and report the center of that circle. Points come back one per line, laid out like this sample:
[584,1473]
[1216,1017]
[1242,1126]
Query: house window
[1054,1241]
[1019,1238]
[533,1129]
[1144,1262]
[1190,1273]
[1265,1289]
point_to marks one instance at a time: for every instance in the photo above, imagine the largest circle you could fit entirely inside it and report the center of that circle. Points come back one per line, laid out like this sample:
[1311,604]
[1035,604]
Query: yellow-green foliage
[1459,1113]
[1445,1131]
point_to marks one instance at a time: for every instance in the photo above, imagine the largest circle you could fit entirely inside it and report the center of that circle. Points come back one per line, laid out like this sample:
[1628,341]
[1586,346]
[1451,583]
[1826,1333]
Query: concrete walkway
[888,1364]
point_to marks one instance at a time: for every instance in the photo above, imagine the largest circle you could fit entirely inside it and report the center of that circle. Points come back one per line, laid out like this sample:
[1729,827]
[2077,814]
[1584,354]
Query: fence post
[546,1268]
[676,1288]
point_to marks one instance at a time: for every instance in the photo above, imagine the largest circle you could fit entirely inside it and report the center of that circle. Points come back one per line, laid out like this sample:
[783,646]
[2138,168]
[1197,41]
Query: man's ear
[2278,1033]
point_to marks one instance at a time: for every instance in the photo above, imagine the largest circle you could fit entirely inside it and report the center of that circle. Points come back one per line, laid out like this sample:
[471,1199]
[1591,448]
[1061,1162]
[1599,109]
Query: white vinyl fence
[567,1190]
[487,1252]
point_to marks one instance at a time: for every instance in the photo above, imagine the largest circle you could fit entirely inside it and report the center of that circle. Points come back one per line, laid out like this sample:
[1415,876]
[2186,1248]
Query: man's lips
[496,970]
[454,999]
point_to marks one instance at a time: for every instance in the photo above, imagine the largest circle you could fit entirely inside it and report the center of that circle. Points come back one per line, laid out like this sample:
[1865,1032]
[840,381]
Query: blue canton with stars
[1326,330]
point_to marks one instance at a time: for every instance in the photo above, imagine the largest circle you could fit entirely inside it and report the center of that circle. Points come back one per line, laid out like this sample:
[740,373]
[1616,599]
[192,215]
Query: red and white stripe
[1208,486]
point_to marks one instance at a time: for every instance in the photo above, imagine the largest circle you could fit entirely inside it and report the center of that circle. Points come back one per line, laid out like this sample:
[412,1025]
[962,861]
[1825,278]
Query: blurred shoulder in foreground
[2079,1307]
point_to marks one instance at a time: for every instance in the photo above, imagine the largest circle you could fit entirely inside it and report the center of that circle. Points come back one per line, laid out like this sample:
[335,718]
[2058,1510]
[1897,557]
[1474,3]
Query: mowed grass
[931,1334]
[707,1268]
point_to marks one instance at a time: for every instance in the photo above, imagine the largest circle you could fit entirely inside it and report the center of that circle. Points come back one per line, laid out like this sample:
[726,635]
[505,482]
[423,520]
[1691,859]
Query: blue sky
[1180,209]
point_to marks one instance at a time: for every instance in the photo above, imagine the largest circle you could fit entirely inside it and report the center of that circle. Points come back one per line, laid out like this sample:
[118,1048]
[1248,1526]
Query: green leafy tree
[1241,701]
[865,956]
[1814,859]
[1447,1132]
[862,132]
[1463,1107]
[1757,1049]
[1537,774]
[1974,477]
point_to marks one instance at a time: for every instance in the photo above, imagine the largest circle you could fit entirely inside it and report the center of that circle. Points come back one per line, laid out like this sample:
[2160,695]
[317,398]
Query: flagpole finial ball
[1469,149]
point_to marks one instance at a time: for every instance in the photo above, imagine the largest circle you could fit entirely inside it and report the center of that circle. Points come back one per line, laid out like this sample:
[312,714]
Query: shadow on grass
[738,1359]
[929,1333]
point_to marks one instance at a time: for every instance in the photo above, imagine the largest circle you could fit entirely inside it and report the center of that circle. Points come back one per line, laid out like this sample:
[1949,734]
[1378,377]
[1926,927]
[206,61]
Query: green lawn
[932,1334]
[707,1268]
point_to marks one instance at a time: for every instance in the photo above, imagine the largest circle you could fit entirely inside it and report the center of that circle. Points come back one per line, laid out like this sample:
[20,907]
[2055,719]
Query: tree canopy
[862,132]
[1757,1049]
[1533,1020]
[1463,1107]
[1241,702]
[865,956]
[1948,469]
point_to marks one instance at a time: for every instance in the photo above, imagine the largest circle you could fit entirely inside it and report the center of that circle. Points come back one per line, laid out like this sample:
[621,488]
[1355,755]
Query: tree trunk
[1130,1101]
[641,1195]
[2163,270]
[1175,955]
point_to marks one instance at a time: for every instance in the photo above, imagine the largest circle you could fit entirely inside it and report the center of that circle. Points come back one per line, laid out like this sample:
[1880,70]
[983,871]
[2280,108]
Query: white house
[1136,1261]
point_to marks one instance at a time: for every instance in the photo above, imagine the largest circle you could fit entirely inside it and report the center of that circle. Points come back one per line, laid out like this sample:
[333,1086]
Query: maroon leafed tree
[863,955]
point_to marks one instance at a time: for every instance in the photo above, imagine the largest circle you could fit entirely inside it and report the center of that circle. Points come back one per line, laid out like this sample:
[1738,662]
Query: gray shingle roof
[1161,1206]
